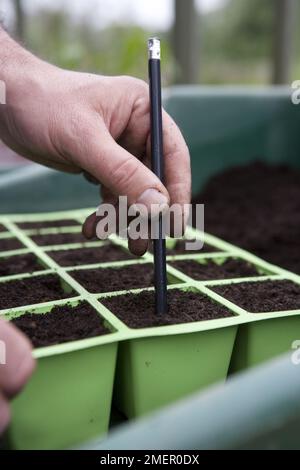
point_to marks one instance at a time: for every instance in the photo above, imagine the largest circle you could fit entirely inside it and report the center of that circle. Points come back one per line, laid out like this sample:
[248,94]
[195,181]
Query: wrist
[12,57]
[19,69]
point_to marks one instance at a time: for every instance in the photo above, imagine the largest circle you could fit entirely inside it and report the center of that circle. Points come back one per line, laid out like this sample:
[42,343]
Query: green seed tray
[69,397]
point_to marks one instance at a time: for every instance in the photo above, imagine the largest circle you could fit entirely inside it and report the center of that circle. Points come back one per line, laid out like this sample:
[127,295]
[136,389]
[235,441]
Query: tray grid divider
[180,280]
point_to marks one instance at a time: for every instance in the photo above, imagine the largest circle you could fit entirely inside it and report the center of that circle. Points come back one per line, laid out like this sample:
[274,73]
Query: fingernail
[152,197]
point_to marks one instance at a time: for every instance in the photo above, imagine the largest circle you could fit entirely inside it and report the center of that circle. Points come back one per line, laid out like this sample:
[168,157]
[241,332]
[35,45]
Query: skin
[83,123]
[18,368]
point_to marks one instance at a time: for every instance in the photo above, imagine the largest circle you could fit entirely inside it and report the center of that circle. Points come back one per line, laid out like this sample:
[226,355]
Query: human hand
[78,122]
[18,367]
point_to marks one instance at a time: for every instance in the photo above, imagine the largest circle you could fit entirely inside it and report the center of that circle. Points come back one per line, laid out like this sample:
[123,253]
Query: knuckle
[124,174]
[142,85]
[137,84]
[143,92]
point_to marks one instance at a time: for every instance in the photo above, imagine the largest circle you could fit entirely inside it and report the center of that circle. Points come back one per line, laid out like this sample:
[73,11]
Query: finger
[109,223]
[134,140]
[137,247]
[90,178]
[4,413]
[138,231]
[176,154]
[107,196]
[177,173]
[90,224]
[117,169]
[92,228]
[19,363]
[176,162]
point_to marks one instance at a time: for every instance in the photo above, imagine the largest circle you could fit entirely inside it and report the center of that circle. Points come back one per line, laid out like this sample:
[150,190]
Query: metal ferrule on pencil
[154,48]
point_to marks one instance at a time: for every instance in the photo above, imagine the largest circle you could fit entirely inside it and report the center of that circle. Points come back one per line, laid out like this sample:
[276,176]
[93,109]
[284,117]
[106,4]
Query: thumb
[18,360]
[122,172]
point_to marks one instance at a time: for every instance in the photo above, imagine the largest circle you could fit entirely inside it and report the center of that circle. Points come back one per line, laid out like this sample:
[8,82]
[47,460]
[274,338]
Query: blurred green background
[233,41]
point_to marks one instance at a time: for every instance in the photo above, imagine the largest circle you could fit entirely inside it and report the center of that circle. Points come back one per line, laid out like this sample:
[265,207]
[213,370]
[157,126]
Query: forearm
[12,57]
[77,122]
[19,68]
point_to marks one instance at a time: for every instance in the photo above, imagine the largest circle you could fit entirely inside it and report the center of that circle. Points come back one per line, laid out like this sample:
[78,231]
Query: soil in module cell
[2,228]
[229,269]
[64,323]
[27,263]
[260,297]
[80,256]
[47,224]
[257,207]
[32,290]
[138,310]
[100,280]
[180,249]
[59,239]
[8,244]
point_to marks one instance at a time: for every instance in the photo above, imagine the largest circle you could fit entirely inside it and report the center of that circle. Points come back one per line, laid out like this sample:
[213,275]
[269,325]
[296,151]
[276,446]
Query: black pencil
[159,245]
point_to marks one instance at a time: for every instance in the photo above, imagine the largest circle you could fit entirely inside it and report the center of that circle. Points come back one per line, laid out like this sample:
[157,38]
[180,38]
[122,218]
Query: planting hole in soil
[64,323]
[100,254]
[7,244]
[48,224]
[58,239]
[204,270]
[138,310]
[33,290]
[259,297]
[27,263]
[100,280]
